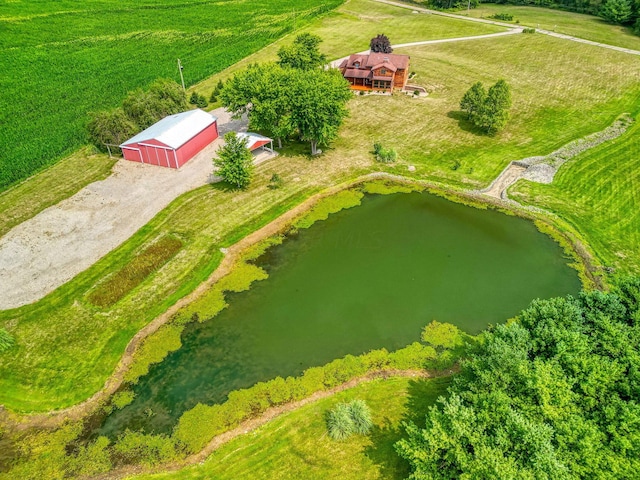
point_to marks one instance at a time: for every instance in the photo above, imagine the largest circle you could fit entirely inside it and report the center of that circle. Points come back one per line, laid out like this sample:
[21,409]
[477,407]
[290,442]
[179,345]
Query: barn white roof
[175,130]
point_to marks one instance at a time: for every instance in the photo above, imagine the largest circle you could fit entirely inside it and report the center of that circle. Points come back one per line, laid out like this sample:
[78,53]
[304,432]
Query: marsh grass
[134,273]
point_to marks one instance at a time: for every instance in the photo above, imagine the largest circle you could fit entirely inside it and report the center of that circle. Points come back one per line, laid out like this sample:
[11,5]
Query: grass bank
[295,445]
[597,194]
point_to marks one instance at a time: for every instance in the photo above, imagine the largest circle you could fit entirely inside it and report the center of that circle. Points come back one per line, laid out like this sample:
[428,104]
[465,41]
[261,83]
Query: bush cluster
[487,110]
[506,17]
[198,100]
[384,155]
[347,419]
[139,110]
[528,30]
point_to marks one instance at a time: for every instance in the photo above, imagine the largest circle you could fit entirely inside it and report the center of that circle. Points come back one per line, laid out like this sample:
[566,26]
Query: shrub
[528,30]
[384,155]
[414,356]
[193,99]
[442,335]
[122,399]
[213,98]
[6,340]
[349,418]
[275,182]
[135,447]
[360,416]
[339,422]
[507,17]
[202,102]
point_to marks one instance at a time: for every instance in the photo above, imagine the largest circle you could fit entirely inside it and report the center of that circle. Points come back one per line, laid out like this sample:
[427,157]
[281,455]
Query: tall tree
[162,98]
[235,161]
[303,53]
[495,113]
[380,44]
[262,92]
[617,11]
[473,101]
[318,100]
[110,127]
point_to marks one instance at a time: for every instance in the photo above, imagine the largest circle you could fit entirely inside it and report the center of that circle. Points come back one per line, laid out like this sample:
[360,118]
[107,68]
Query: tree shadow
[223,186]
[421,395]
[464,123]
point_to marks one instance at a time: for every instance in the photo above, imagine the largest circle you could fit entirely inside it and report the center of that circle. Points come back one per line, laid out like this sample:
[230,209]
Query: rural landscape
[317,239]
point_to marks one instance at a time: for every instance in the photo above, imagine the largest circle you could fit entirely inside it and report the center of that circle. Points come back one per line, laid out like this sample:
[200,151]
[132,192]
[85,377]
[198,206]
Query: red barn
[174,140]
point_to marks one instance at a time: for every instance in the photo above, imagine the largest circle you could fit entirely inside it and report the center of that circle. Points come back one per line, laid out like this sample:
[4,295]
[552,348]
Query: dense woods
[553,394]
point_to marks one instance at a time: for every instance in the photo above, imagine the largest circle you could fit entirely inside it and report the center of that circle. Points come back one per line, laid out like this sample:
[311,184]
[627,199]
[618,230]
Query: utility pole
[180,67]
[469,8]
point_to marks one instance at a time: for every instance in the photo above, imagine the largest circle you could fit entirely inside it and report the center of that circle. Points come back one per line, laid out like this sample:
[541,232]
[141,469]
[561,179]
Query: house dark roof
[375,60]
[357,73]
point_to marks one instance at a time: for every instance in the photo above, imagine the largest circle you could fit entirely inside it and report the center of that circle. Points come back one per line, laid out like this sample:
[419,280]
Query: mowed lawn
[562,90]
[60,60]
[598,192]
[296,445]
[578,25]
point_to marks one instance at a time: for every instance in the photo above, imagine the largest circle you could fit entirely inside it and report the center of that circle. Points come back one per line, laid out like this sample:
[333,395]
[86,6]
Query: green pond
[367,277]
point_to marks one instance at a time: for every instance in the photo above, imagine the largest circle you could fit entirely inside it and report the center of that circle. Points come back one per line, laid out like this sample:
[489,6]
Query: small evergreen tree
[202,102]
[380,44]
[193,99]
[235,162]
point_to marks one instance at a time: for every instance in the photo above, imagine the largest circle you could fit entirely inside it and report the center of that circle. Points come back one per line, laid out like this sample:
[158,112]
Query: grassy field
[59,60]
[562,90]
[296,444]
[578,25]
[598,192]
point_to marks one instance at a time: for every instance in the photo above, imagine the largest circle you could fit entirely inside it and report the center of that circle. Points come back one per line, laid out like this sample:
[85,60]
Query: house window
[380,84]
[356,64]
[383,71]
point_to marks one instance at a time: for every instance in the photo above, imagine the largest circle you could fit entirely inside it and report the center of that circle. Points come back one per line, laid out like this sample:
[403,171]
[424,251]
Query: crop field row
[57,63]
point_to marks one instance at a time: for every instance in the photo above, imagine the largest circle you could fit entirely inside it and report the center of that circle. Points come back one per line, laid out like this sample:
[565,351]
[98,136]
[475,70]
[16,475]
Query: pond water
[368,277]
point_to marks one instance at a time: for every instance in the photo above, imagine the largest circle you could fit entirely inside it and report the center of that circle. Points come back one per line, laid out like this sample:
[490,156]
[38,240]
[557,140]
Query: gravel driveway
[51,248]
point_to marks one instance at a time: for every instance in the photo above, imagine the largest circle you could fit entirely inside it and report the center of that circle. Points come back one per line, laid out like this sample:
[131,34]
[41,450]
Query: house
[376,71]
[172,141]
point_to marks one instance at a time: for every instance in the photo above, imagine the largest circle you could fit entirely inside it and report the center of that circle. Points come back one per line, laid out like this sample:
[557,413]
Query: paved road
[509,25]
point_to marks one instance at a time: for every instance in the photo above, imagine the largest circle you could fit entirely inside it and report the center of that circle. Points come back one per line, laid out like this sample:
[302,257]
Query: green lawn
[562,90]
[295,445]
[598,192]
[578,25]
[60,60]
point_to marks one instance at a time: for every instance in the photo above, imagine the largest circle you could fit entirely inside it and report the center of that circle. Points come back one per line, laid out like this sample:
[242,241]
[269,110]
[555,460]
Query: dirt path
[44,252]
[509,25]
[508,177]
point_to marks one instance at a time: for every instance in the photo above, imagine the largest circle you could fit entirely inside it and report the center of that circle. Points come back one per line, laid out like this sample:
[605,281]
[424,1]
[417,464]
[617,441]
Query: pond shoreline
[543,220]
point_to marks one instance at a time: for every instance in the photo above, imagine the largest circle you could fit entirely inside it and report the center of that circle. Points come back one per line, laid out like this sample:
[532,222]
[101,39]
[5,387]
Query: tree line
[619,12]
[139,110]
[554,394]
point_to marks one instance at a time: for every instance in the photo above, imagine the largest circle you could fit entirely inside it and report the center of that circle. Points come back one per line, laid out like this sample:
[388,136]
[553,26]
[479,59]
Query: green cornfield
[60,60]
